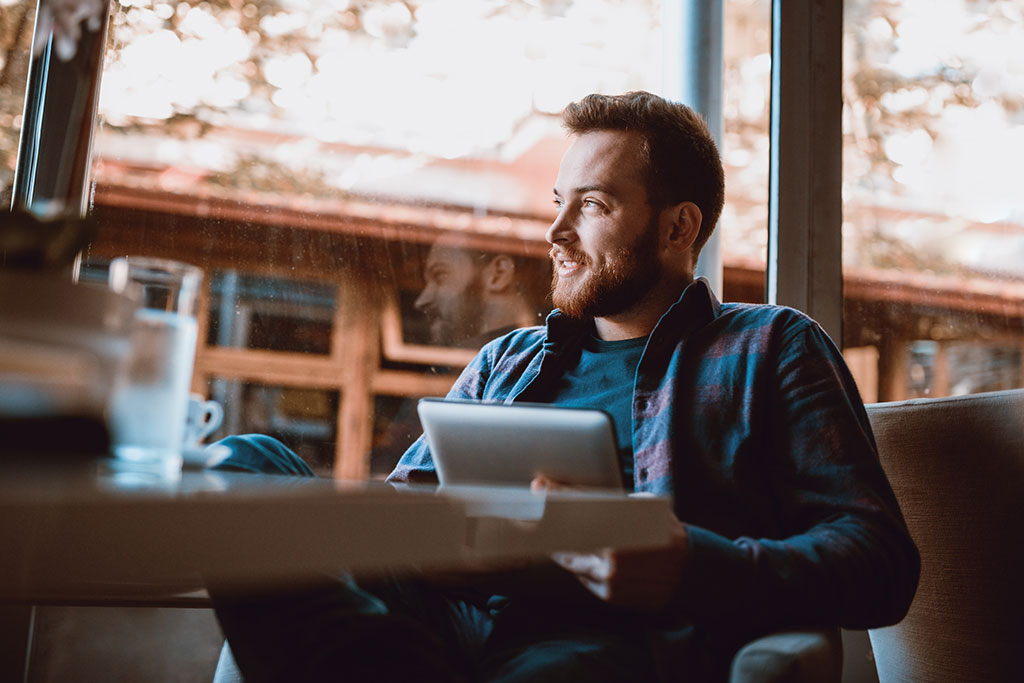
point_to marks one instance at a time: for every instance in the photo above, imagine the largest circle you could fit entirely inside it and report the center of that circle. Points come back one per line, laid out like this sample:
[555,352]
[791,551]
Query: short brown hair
[682,159]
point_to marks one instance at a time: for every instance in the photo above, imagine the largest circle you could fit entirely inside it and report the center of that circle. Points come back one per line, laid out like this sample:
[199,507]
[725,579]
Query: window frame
[805,216]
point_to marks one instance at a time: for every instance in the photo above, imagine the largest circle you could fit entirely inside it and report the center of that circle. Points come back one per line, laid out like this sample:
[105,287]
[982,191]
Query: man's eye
[590,203]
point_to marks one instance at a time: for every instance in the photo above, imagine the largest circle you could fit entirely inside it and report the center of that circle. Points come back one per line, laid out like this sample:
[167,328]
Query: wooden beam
[356,327]
[271,367]
[413,384]
[358,217]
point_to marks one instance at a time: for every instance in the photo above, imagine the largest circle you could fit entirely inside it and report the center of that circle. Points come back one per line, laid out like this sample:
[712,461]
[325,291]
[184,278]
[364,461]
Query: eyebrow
[587,188]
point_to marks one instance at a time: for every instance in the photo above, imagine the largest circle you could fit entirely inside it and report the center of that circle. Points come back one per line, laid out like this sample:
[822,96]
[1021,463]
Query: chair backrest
[957,467]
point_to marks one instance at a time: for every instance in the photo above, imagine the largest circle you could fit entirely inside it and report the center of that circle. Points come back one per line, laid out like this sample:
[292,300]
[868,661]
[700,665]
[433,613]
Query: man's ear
[684,226]
[499,274]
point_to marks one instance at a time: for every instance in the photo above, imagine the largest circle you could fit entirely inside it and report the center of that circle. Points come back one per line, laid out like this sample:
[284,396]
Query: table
[83,531]
[87,529]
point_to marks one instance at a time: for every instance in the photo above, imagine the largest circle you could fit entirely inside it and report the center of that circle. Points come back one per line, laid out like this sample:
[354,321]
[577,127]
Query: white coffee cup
[202,418]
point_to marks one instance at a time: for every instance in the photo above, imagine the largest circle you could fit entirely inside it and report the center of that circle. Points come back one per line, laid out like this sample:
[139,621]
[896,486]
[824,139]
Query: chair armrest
[790,657]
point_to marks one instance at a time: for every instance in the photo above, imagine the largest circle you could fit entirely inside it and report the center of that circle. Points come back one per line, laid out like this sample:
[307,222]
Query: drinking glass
[150,399]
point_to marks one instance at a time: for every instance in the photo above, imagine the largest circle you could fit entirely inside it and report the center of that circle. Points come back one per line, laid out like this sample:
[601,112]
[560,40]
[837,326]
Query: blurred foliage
[16,21]
[911,65]
[934,125]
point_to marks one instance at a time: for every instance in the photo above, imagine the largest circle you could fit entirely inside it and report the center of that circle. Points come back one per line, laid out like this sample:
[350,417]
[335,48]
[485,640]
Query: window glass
[17,19]
[305,419]
[746,89]
[933,233]
[346,173]
[264,312]
[395,426]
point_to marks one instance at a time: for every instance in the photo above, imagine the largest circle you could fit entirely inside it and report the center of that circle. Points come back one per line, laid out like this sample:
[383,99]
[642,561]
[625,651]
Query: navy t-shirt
[602,377]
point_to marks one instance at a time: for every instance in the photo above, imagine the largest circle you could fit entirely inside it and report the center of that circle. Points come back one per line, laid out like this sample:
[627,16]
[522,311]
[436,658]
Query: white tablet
[492,443]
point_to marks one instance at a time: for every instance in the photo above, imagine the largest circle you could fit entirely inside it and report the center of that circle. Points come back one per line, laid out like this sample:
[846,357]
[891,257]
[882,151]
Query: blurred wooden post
[355,342]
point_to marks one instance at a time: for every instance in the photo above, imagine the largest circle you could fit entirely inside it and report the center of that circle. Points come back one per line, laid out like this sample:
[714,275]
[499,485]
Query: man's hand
[635,579]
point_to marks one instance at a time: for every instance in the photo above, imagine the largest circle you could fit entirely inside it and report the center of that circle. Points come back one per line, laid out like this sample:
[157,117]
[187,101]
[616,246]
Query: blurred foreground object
[43,244]
[62,343]
[63,20]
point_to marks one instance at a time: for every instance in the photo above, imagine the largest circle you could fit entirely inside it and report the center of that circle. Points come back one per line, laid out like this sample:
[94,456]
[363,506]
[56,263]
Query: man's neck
[639,320]
[616,328]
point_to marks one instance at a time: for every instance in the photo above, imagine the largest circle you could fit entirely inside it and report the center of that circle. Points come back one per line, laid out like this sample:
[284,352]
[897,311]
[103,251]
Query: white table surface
[80,529]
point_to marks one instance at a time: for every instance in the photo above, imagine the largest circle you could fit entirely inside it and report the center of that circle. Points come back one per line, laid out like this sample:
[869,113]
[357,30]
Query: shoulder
[521,341]
[522,336]
[786,339]
[499,362]
[760,327]
[758,315]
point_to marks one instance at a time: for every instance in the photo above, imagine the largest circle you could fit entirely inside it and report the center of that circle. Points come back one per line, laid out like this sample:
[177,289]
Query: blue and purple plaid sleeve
[836,550]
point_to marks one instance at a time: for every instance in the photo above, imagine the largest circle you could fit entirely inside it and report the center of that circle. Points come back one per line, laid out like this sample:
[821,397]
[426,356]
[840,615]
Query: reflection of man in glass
[472,296]
[469,297]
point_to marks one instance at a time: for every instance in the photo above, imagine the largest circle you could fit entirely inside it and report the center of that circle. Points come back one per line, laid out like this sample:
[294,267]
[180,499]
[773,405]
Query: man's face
[452,298]
[605,237]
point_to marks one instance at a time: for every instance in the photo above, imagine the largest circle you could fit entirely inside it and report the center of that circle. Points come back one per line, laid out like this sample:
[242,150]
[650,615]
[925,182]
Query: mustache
[568,255]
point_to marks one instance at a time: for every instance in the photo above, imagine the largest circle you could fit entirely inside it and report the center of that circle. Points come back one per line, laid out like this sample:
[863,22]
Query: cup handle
[213,415]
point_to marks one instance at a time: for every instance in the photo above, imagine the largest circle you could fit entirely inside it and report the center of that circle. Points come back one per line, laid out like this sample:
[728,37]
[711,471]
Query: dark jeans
[407,628]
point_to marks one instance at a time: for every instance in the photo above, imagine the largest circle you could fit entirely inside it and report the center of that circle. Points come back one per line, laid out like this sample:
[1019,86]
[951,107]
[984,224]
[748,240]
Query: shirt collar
[697,304]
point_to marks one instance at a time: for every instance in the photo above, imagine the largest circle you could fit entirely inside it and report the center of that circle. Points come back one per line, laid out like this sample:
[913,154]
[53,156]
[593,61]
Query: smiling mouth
[566,266]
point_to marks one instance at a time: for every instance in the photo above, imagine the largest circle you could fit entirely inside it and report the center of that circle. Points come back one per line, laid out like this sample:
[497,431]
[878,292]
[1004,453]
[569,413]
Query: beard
[614,285]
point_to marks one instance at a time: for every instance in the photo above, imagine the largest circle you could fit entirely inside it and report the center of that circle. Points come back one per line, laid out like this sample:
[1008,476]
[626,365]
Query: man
[745,415]
[470,296]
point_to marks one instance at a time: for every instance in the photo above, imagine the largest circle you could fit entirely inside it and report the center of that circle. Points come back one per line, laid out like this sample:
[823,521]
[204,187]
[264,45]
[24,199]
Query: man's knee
[263,454]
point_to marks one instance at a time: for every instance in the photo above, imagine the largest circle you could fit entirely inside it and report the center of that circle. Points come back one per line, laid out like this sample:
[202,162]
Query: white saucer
[200,457]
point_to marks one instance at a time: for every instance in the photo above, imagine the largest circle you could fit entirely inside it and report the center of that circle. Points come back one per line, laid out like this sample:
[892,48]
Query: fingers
[588,566]
[591,570]
[542,483]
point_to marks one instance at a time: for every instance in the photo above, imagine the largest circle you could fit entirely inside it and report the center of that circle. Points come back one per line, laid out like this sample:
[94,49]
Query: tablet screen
[472,442]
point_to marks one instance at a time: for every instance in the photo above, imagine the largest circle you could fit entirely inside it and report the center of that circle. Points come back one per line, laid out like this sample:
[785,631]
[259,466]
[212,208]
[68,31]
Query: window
[252,311]
[306,419]
[933,226]
[343,170]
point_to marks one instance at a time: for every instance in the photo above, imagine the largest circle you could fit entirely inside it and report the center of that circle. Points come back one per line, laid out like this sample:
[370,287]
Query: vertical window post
[805,177]
[692,39]
[55,149]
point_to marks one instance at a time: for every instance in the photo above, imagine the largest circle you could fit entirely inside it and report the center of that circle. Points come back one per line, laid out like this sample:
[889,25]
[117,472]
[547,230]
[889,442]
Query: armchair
[957,467]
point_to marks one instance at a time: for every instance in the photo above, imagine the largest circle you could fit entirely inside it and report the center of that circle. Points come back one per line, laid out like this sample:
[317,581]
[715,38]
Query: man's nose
[425,299]
[561,228]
